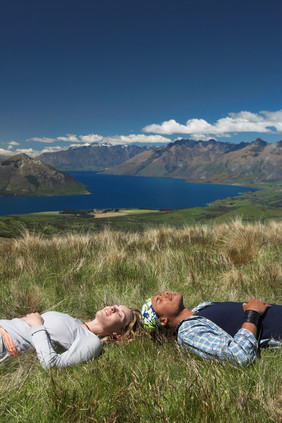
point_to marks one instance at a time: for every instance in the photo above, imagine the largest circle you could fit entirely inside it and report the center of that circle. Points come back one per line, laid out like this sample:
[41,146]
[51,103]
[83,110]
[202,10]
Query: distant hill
[210,161]
[94,157]
[22,175]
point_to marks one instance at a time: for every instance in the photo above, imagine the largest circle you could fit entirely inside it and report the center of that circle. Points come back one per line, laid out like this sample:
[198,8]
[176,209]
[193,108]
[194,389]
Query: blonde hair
[128,330]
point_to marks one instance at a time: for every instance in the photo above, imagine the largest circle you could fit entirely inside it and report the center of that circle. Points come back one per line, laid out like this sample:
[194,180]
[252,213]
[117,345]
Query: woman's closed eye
[118,311]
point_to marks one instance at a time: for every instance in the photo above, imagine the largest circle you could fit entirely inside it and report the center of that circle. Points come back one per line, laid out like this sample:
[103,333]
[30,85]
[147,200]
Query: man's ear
[117,335]
[163,321]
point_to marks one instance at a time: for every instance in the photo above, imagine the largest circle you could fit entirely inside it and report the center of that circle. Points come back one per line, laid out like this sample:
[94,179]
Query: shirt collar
[195,310]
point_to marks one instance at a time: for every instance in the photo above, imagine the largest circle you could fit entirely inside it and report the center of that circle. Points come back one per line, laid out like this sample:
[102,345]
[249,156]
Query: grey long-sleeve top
[58,331]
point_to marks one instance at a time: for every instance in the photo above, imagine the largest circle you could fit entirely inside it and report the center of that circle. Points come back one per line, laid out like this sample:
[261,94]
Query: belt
[9,343]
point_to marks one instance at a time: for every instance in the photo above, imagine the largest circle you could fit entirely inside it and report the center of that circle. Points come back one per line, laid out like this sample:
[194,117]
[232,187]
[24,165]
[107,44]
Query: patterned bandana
[150,319]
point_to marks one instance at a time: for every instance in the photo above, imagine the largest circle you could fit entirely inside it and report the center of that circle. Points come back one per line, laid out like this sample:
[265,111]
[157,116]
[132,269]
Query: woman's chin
[100,313]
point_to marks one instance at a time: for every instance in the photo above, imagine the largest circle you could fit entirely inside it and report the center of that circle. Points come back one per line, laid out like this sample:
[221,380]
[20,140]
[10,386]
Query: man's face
[167,305]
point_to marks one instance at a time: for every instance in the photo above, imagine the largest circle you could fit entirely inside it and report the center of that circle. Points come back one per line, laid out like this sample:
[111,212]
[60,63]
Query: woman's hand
[33,319]
[256,305]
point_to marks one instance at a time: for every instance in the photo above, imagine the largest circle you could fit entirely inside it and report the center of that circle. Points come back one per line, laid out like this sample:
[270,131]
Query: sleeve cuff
[247,334]
[36,329]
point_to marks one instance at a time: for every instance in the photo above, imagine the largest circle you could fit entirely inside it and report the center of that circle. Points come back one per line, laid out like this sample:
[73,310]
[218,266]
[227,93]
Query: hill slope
[208,161]
[93,157]
[22,175]
[137,380]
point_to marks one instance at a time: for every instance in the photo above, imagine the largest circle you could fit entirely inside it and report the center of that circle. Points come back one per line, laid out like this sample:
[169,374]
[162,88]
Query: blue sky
[74,72]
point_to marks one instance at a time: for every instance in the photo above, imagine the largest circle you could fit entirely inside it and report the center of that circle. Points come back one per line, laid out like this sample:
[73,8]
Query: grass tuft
[141,381]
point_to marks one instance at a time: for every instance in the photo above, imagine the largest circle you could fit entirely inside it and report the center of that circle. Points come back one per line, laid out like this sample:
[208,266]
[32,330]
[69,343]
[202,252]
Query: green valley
[261,205]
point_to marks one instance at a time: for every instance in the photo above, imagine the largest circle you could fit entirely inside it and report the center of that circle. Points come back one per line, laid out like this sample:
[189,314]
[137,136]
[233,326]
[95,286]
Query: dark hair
[161,334]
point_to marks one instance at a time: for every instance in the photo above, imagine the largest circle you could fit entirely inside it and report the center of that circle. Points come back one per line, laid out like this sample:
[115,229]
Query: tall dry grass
[141,381]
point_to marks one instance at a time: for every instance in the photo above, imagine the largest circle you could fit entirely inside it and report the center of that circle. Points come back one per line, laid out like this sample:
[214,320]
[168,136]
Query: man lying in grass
[217,330]
[80,341]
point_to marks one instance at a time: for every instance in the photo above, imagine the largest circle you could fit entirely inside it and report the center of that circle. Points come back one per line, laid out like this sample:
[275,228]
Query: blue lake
[111,191]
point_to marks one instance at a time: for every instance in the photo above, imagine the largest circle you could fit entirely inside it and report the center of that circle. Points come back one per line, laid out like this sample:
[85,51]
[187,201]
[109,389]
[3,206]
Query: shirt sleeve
[208,340]
[83,349]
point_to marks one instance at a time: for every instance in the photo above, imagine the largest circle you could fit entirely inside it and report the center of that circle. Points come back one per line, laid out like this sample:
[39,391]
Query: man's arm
[258,306]
[208,340]
[203,337]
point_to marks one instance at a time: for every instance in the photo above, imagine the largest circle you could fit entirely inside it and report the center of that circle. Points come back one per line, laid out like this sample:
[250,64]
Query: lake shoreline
[131,192]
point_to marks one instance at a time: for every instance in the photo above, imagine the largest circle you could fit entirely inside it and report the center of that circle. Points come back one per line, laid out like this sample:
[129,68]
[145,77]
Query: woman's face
[113,319]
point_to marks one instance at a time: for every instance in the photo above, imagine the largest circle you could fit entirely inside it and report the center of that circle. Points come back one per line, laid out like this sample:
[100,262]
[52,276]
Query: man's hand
[256,305]
[33,319]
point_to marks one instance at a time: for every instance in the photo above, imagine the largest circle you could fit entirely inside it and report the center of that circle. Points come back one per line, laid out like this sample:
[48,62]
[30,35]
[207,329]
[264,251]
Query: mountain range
[94,157]
[208,161]
[22,175]
[198,161]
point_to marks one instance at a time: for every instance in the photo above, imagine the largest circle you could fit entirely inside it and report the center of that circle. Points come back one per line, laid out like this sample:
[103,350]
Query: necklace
[85,324]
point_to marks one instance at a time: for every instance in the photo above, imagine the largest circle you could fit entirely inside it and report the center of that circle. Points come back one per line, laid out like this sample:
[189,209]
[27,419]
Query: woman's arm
[33,319]
[83,349]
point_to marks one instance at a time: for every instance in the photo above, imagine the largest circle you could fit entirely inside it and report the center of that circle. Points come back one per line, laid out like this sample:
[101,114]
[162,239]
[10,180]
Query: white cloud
[80,145]
[52,149]
[80,141]
[29,151]
[43,140]
[84,140]
[11,145]
[275,119]
[91,138]
[136,138]
[262,122]
[4,152]
[200,137]
[68,138]
[116,139]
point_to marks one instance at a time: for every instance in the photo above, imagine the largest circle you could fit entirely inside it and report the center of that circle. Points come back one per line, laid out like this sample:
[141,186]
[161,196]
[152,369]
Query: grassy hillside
[22,175]
[141,381]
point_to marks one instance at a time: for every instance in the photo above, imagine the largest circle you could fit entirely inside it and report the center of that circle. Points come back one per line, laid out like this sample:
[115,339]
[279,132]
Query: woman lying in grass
[80,341]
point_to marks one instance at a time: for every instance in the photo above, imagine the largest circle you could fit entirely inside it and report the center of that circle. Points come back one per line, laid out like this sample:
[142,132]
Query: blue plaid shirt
[205,338]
